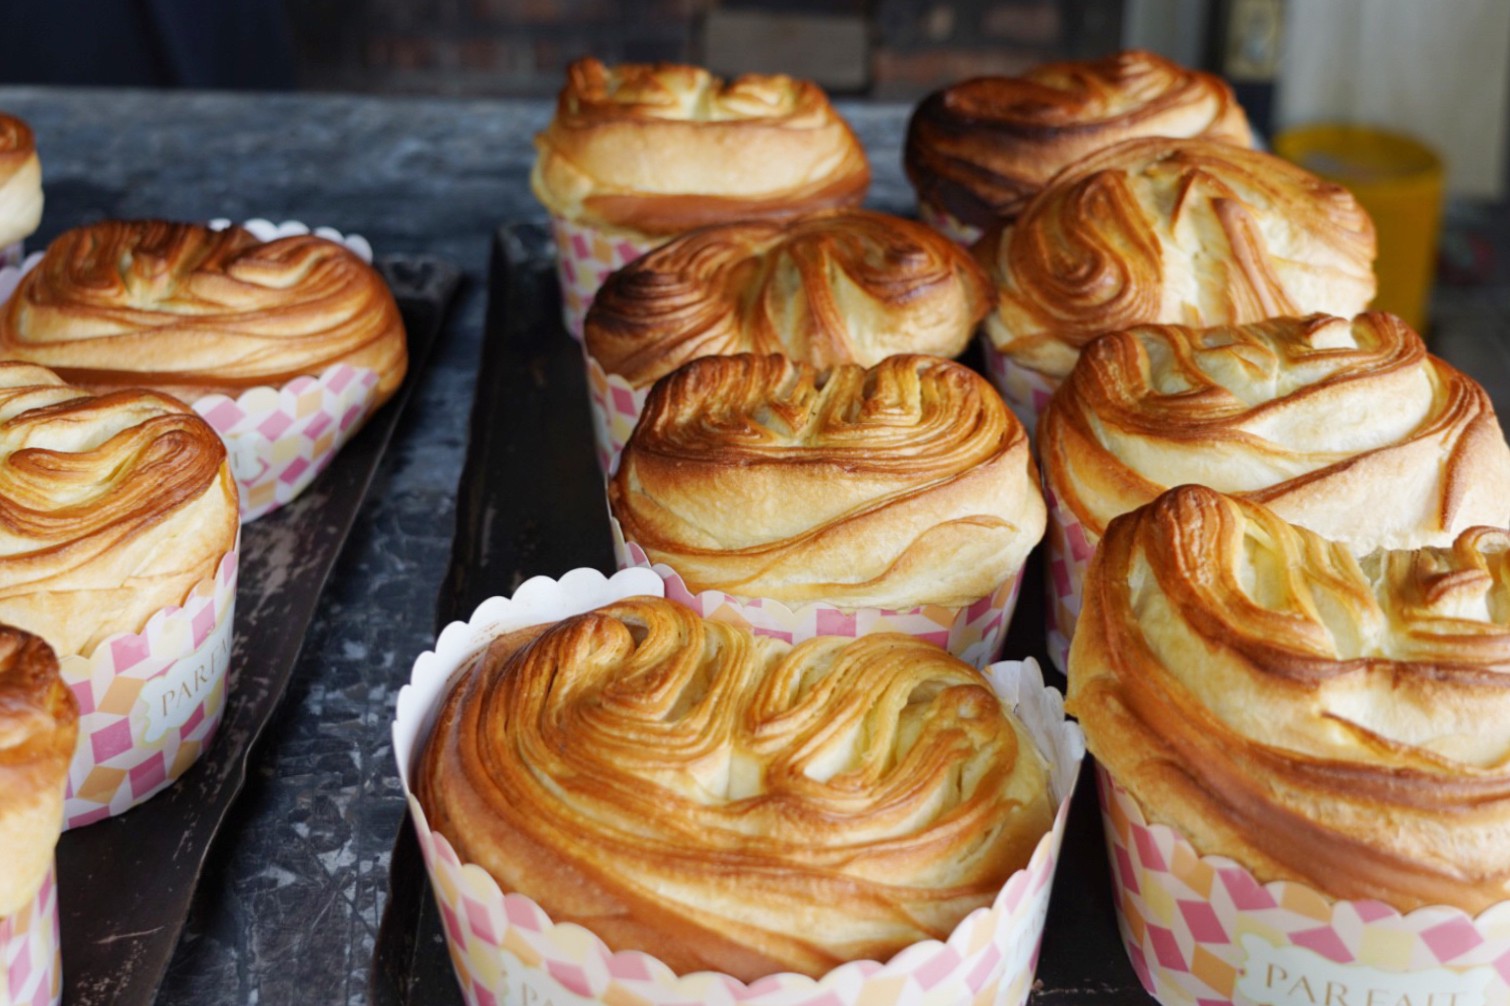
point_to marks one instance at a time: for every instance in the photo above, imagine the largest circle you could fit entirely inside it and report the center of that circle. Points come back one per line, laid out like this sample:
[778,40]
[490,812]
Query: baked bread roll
[906,484]
[112,507]
[847,286]
[1183,232]
[192,311]
[982,148]
[731,802]
[39,724]
[1313,716]
[658,149]
[1349,428]
[20,181]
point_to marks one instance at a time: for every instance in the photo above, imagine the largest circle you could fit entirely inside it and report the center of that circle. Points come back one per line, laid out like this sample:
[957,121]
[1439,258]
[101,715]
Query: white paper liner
[1203,931]
[31,965]
[973,633]
[150,702]
[505,949]
[278,438]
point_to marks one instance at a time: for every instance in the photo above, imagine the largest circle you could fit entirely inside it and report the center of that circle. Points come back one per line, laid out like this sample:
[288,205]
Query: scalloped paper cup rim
[262,488]
[794,620]
[1279,941]
[540,600]
[31,951]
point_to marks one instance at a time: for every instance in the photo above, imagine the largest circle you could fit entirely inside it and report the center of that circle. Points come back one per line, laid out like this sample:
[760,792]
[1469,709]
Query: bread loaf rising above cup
[844,286]
[1313,716]
[658,149]
[981,149]
[39,724]
[191,311]
[906,484]
[20,181]
[731,802]
[1183,232]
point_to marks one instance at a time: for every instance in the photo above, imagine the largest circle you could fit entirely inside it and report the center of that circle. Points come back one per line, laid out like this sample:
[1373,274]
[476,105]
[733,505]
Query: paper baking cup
[1025,390]
[506,950]
[278,439]
[149,702]
[585,256]
[947,224]
[973,633]
[31,962]
[616,408]
[1071,546]
[1203,931]
[12,254]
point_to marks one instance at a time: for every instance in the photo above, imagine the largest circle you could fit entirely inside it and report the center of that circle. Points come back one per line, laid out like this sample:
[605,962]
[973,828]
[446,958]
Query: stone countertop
[289,905]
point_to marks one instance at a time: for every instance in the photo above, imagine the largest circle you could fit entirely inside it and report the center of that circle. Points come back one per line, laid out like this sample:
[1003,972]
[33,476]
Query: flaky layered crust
[909,483]
[39,724]
[1181,232]
[190,311]
[1313,716]
[730,802]
[20,181]
[112,507]
[659,149]
[983,147]
[1349,428]
[847,286]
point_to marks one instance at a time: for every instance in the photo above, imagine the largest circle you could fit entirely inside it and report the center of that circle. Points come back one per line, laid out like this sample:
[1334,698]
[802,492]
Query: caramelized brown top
[1314,716]
[846,286]
[983,147]
[732,802]
[189,310]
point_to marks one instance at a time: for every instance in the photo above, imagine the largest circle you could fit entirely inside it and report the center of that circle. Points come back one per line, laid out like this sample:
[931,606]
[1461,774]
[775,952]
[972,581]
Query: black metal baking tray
[533,504]
[125,884]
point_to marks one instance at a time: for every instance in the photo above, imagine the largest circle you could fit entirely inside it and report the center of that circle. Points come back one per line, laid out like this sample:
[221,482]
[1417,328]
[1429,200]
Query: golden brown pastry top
[20,181]
[1180,232]
[731,802]
[909,483]
[112,507]
[39,724]
[188,310]
[1316,717]
[983,147]
[846,286]
[1349,428]
[661,148]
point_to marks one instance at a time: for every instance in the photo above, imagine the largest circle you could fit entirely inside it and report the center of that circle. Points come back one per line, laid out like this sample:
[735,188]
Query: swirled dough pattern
[1313,716]
[730,802]
[983,147]
[1180,232]
[848,286]
[112,507]
[20,181]
[909,483]
[659,149]
[191,311]
[1349,428]
[39,723]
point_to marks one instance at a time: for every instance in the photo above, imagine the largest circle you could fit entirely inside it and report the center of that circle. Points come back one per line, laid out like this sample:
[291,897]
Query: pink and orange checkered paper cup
[150,701]
[1025,390]
[585,256]
[616,408]
[506,950]
[947,224]
[1203,931]
[973,633]
[1071,546]
[278,438]
[31,961]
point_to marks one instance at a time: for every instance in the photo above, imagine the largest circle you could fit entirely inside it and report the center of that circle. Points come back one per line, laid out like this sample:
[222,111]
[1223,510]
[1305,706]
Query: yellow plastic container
[1399,181]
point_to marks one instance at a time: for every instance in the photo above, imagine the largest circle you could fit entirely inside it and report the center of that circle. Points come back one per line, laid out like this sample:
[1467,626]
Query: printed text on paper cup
[169,700]
[1295,976]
